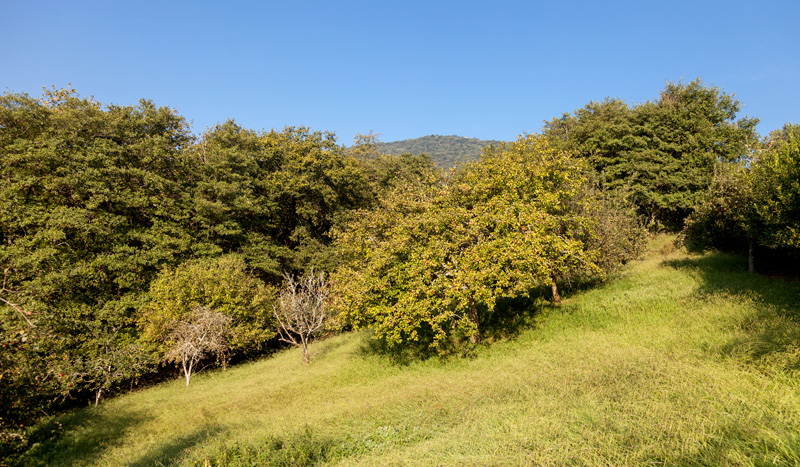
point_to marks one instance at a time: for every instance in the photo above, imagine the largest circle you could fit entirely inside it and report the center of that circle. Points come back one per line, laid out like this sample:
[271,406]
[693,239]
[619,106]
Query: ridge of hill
[446,151]
[680,359]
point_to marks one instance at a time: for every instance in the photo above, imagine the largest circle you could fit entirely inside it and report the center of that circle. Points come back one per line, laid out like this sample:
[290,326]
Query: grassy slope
[682,360]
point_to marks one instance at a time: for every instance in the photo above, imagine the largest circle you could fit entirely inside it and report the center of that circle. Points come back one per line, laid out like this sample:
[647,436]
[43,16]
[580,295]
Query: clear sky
[405,69]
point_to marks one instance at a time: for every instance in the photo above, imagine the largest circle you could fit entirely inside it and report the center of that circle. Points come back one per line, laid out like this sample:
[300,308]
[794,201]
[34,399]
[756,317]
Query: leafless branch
[205,331]
[303,309]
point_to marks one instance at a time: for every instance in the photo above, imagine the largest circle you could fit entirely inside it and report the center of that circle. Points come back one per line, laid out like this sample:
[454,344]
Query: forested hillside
[446,151]
[130,247]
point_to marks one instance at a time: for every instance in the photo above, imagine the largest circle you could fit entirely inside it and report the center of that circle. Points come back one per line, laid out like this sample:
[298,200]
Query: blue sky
[404,69]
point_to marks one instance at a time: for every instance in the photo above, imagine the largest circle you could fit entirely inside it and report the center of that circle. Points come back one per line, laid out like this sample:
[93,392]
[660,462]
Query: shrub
[221,284]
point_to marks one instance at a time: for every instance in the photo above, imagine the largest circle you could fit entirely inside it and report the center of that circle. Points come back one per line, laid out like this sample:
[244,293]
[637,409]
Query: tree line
[127,244]
[116,222]
[691,165]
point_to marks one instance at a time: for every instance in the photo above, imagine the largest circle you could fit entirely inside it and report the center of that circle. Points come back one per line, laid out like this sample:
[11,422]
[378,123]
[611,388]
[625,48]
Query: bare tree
[303,310]
[204,332]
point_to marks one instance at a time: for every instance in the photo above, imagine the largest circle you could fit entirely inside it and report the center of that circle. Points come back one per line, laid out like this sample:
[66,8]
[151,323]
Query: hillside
[679,360]
[446,151]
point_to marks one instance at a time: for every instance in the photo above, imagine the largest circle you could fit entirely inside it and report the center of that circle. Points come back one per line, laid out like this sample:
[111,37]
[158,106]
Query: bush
[221,284]
[722,221]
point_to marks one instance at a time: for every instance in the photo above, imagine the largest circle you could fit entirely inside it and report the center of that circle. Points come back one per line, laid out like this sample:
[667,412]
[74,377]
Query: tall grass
[680,360]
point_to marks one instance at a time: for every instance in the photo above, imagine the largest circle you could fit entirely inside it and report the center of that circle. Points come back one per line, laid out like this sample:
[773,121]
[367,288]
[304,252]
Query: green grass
[680,360]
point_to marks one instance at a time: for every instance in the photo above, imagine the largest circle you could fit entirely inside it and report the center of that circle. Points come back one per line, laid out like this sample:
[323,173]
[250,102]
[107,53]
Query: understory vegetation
[681,359]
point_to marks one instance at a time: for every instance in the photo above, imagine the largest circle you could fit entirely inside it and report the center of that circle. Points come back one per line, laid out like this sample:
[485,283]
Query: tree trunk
[304,345]
[100,389]
[473,317]
[751,258]
[187,370]
[554,288]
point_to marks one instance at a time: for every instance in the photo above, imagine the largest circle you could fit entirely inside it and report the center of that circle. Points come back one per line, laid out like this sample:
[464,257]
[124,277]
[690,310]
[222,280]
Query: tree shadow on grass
[78,437]
[171,451]
[511,316]
[770,337]
[407,352]
[82,436]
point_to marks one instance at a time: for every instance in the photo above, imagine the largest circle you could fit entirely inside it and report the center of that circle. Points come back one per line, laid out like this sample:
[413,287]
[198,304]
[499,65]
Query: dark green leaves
[664,151]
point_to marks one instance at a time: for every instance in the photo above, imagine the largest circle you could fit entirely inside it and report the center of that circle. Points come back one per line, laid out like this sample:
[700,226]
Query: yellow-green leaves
[423,264]
[222,285]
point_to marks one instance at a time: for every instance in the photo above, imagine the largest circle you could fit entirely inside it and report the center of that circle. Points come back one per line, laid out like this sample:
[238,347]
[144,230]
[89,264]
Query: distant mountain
[446,151]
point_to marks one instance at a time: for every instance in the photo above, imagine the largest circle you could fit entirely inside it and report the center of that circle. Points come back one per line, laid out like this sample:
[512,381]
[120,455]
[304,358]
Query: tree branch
[18,308]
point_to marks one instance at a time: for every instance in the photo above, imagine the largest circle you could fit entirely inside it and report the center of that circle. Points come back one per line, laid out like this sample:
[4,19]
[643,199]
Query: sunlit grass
[680,360]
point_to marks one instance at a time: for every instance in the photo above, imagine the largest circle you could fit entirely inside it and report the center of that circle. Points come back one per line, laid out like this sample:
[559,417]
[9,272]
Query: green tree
[96,199]
[91,206]
[755,203]
[664,152]
[365,146]
[271,197]
[619,233]
[726,220]
[601,132]
[686,131]
[310,184]
[220,284]
[384,172]
[233,205]
[776,188]
[436,257]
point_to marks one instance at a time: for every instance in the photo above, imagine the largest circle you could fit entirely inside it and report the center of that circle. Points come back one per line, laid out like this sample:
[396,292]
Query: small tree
[204,332]
[222,284]
[303,309]
[116,360]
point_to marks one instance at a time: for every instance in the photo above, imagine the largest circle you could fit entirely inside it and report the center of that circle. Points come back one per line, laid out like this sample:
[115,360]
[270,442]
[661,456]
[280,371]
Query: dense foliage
[754,204]
[114,216]
[435,258]
[446,151]
[93,202]
[272,197]
[385,172]
[124,237]
[664,152]
[221,284]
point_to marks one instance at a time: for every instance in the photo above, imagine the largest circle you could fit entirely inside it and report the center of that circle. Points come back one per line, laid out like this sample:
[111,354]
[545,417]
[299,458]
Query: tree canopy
[99,202]
[435,258]
[663,151]
[753,203]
